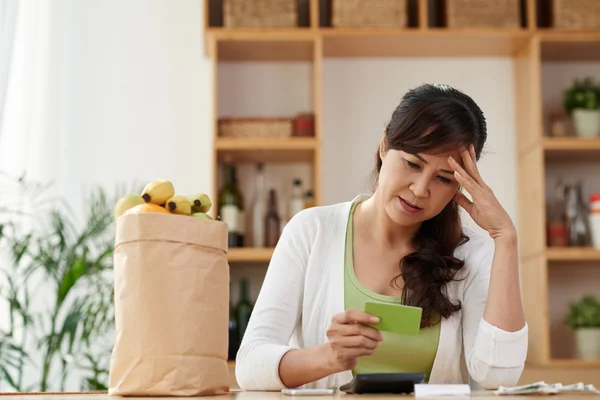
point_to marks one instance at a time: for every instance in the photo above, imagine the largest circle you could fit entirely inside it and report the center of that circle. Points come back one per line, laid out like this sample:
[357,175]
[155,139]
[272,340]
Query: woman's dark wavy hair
[434,119]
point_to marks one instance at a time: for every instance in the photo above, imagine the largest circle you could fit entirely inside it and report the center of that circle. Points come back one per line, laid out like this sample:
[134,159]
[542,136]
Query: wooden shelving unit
[528,46]
[250,255]
[573,254]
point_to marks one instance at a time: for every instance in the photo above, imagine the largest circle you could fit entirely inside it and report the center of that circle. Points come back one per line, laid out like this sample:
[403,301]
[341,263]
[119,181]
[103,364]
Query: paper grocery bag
[171,280]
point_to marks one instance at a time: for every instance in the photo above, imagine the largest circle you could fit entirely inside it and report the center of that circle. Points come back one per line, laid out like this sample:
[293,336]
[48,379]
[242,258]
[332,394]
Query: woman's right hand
[350,337]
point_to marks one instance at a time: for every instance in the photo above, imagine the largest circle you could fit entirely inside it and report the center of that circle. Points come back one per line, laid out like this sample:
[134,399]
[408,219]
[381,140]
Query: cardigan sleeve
[276,312]
[494,357]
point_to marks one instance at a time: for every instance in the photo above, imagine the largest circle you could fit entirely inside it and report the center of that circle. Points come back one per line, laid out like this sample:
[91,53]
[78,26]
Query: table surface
[239,395]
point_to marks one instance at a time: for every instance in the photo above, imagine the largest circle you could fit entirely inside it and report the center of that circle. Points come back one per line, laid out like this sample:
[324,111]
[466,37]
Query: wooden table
[239,395]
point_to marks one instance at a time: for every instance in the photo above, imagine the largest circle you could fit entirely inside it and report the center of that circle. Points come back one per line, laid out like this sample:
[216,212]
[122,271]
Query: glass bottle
[259,209]
[309,200]
[229,205]
[241,232]
[296,202]
[272,221]
[577,222]
[243,310]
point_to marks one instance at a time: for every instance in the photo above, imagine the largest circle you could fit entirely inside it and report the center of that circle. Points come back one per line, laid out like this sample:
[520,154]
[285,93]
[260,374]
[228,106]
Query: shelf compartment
[573,254]
[572,149]
[295,149]
[263,44]
[569,45]
[250,254]
[440,42]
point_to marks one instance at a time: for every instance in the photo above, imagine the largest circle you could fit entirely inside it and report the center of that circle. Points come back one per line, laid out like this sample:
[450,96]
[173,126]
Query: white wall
[136,92]
[361,95]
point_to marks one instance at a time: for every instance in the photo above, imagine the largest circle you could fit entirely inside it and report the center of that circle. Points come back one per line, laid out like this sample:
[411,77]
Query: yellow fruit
[179,205]
[202,215]
[200,203]
[146,208]
[158,192]
[127,202]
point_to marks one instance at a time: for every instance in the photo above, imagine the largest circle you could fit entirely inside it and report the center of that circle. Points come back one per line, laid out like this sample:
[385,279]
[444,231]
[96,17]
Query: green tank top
[397,352]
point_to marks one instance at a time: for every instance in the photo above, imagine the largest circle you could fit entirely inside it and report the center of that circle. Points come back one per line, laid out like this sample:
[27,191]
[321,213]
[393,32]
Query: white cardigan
[304,288]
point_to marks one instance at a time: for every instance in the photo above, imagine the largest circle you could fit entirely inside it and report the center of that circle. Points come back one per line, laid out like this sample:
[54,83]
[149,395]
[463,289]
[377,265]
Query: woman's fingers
[470,162]
[463,201]
[462,176]
[360,330]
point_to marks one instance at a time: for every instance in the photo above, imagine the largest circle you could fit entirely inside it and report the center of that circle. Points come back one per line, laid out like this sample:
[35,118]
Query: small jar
[304,125]
[595,219]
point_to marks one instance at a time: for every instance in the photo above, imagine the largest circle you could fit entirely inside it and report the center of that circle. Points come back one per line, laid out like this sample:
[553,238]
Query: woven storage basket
[369,13]
[256,127]
[483,13]
[576,14]
[260,13]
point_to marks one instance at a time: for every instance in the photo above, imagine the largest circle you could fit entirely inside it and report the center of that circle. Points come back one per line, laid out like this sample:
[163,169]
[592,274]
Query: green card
[395,318]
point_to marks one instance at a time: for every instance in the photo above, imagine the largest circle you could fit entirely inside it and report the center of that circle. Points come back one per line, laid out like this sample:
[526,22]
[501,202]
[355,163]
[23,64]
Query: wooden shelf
[422,43]
[264,44]
[574,363]
[572,149]
[560,45]
[297,44]
[250,254]
[295,149]
[573,254]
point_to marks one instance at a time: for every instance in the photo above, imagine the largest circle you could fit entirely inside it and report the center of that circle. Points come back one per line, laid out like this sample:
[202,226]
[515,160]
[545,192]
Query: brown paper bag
[171,306]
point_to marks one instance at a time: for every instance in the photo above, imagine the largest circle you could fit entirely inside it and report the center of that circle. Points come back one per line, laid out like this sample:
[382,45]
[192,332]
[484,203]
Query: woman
[403,244]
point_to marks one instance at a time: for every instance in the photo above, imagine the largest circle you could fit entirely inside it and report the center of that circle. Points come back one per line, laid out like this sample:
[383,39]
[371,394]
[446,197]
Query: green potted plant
[55,283]
[582,102]
[584,319]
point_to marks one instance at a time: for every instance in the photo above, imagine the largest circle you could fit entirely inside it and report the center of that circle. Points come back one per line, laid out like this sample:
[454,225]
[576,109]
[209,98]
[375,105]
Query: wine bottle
[259,209]
[243,310]
[272,221]
[229,205]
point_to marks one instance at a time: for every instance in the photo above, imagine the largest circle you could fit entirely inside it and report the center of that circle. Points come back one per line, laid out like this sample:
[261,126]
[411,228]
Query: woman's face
[415,188]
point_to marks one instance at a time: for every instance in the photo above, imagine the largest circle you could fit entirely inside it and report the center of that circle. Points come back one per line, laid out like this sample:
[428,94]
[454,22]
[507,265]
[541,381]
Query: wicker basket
[483,13]
[369,13]
[576,14]
[260,13]
[256,127]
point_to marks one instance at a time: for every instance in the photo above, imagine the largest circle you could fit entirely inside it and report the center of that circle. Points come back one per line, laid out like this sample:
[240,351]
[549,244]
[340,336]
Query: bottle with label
[272,221]
[229,205]
[296,202]
[259,209]
[243,310]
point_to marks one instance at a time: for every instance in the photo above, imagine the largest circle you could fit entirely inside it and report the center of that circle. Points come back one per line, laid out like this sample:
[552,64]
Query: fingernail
[381,337]
[374,320]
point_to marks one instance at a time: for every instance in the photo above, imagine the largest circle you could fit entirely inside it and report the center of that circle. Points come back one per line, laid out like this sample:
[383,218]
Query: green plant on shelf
[583,94]
[584,313]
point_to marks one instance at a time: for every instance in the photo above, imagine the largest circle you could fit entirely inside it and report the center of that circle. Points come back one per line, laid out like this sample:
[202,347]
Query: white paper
[427,390]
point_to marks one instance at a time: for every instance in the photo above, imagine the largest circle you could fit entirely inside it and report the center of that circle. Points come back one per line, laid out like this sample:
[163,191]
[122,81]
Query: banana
[158,191]
[200,203]
[127,202]
[179,205]
[202,215]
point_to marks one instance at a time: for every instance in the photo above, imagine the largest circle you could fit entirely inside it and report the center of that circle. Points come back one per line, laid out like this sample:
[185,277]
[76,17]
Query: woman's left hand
[485,209]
